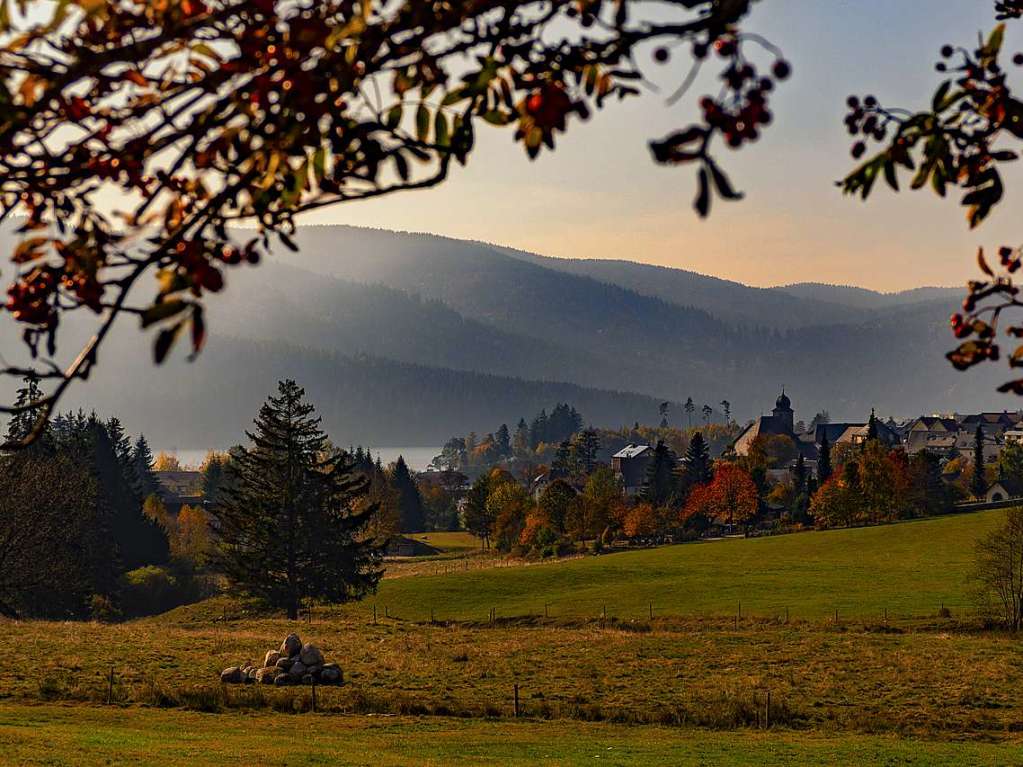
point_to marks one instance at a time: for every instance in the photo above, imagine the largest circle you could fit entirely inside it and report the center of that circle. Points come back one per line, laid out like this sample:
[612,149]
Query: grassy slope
[910,569]
[73,736]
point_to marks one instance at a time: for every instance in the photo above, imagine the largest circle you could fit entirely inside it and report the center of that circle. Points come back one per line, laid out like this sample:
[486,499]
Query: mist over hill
[408,339]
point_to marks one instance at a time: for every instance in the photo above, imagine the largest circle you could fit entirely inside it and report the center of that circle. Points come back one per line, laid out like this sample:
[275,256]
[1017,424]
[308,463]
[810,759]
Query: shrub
[149,590]
[102,609]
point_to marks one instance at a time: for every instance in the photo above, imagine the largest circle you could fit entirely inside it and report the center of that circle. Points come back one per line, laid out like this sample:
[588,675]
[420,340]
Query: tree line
[285,519]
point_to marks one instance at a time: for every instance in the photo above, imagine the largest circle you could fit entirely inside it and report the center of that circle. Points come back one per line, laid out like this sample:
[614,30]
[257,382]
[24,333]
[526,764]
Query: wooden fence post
[110,687]
[516,701]
[374,612]
[314,696]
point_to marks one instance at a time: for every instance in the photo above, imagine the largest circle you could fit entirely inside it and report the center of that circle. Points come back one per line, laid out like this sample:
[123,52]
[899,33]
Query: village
[553,487]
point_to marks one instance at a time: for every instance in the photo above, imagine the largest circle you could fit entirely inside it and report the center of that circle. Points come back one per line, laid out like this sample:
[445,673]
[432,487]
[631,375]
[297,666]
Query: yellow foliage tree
[166,462]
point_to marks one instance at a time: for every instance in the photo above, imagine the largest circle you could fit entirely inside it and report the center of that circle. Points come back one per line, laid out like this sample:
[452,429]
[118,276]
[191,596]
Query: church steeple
[783,412]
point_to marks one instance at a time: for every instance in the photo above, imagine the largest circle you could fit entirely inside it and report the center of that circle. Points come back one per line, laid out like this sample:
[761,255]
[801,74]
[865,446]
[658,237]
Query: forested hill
[410,338]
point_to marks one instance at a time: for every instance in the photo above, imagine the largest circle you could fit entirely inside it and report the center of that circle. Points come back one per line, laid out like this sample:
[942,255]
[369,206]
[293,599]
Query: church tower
[783,413]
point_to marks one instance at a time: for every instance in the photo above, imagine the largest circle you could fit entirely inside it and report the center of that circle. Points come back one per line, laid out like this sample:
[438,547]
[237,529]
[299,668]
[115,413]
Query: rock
[250,675]
[232,675]
[307,679]
[315,669]
[272,656]
[284,663]
[268,675]
[281,680]
[297,670]
[291,646]
[310,655]
[331,674]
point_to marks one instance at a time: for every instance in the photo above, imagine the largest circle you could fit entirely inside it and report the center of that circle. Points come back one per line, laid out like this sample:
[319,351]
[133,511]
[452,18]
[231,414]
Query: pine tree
[696,468]
[142,468]
[561,466]
[287,526]
[586,446]
[659,484]
[521,441]
[410,503]
[872,426]
[140,541]
[978,485]
[503,441]
[24,421]
[824,460]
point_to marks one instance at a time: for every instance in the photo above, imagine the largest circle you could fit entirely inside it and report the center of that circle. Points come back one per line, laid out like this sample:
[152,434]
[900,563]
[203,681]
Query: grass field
[55,736]
[841,693]
[912,568]
[450,543]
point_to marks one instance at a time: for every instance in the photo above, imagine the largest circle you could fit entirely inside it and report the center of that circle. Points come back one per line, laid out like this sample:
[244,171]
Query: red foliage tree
[730,499]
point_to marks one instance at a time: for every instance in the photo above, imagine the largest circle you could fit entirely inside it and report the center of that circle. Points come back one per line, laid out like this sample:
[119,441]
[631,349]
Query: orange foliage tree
[729,499]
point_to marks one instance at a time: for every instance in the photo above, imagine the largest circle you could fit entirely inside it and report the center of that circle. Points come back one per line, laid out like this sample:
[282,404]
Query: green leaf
[161,311]
[393,118]
[423,123]
[440,128]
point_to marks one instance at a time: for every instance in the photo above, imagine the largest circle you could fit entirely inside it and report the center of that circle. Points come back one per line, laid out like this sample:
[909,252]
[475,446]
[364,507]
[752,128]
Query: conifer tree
[140,541]
[659,484]
[872,426]
[824,460]
[696,465]
[22,422]
[520,443]
[503,441]
[142,466]
[288,525]
[410,503]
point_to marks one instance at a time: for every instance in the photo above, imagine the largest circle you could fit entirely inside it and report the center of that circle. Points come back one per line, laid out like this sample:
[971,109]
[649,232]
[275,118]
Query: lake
[417,458]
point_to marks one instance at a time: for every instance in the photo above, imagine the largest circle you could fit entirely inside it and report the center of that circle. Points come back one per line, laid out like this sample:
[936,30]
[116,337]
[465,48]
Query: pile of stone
[293,663]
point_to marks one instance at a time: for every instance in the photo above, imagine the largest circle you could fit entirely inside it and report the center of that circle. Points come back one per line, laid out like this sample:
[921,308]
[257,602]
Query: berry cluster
[743,109]
[30,299]
[866,119]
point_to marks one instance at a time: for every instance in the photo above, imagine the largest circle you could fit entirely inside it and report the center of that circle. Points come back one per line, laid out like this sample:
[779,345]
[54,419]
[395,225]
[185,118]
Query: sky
[601,196]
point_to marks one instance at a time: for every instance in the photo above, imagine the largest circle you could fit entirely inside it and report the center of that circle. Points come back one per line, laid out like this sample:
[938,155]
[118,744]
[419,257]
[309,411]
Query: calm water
[417,458]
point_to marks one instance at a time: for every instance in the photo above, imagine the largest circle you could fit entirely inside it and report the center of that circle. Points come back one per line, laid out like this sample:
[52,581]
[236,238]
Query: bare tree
[998,569]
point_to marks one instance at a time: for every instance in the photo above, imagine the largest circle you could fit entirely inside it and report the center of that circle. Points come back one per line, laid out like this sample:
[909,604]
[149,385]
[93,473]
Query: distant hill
[411,338]
[861,298]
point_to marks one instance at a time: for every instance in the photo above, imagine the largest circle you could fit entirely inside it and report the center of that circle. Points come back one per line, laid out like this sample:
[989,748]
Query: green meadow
[76,737]
[908,569]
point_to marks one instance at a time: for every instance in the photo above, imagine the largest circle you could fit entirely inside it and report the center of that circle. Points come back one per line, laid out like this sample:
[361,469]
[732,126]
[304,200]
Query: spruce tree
[140,541]
[659,484]
[824,460]
[288,526]
[23,421]
[503,441]
[872,426]
[410,503]
[696,465]
[978,485]
[142,468]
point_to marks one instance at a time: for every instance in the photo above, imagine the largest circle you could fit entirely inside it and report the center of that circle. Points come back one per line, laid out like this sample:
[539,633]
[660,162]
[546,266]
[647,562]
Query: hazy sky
[600,195]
